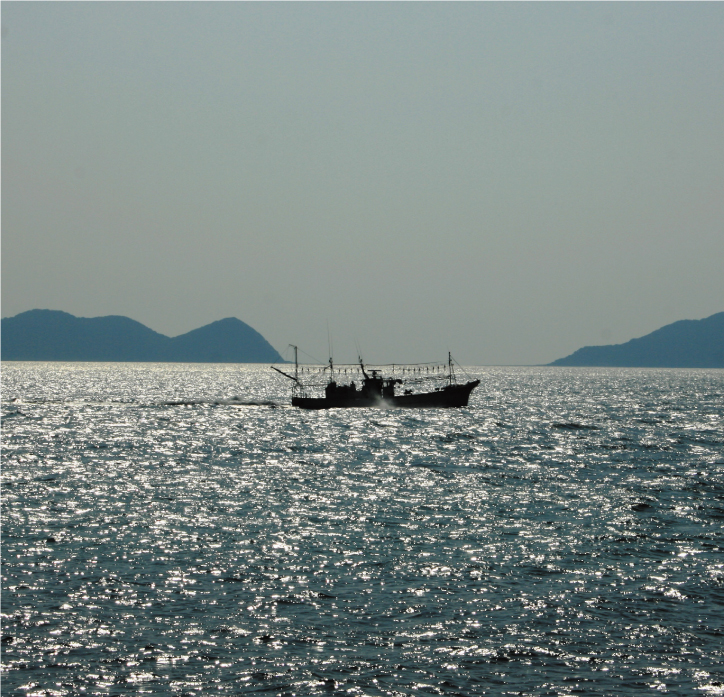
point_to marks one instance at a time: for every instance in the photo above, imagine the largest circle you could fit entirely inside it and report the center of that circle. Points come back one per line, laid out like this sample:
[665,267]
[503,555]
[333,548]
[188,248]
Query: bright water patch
[179,530]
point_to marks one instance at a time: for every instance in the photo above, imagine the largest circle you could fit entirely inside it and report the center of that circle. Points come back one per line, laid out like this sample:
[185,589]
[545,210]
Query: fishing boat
[378,390]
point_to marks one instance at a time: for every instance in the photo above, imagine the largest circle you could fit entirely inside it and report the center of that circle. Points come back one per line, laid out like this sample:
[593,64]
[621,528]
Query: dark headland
[51,335]
[689,343]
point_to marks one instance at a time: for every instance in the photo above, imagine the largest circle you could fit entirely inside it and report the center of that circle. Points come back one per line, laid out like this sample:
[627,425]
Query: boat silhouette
[378,390]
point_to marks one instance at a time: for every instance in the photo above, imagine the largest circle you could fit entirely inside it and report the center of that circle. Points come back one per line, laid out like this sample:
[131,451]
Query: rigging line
[314,358]
[285,353]
[323,364]
[461,368]
[403,365]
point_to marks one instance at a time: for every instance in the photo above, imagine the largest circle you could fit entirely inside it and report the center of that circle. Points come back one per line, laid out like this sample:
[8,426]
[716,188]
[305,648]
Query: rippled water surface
[179,530]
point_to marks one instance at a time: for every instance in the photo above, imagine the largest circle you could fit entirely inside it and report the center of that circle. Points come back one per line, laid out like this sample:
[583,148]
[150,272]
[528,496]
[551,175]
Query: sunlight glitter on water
[561,534]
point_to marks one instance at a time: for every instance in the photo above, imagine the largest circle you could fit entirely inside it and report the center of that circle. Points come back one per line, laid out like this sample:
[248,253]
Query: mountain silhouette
[52,335]
[689,343]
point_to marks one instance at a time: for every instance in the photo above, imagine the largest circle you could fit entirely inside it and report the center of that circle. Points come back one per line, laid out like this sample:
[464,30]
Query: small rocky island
[689,343]
[51,335]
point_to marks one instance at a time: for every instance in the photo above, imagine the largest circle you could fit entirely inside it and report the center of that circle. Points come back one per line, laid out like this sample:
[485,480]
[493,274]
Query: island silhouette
[53,335]
[688,343]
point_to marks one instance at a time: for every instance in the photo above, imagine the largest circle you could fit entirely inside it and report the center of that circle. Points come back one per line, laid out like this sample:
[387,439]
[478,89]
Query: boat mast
[329,346]
[362,365]
[297,385]
[450,367]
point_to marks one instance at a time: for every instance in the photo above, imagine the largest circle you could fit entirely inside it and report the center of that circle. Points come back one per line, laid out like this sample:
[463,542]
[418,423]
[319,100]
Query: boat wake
[13,408]
[231,401]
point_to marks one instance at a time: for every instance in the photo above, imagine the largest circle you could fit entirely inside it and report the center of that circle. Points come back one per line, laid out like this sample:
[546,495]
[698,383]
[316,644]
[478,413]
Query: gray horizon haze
[508,181]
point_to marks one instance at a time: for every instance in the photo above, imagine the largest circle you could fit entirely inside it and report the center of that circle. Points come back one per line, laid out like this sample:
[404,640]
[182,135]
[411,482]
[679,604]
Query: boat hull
[449,396]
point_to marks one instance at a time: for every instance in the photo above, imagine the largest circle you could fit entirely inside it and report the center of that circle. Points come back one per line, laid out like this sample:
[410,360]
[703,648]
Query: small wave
[573,426]
[452,437]
[13,412]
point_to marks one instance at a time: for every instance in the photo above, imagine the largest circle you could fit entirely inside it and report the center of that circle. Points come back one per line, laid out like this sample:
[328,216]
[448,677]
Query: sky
[507,181]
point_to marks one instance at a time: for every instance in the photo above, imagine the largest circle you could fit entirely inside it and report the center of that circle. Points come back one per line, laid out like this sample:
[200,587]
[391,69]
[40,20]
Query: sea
[177,529]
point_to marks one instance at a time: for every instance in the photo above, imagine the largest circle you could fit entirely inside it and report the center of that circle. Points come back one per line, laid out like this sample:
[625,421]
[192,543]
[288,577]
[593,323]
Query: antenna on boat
[296,363]
[450,367]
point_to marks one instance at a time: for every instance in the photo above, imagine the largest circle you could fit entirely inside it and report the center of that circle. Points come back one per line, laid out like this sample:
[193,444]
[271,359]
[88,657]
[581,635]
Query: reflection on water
[179,530]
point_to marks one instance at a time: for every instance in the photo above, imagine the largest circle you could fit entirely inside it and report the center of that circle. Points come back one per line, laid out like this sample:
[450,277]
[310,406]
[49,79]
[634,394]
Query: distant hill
[689,343]
[51,335]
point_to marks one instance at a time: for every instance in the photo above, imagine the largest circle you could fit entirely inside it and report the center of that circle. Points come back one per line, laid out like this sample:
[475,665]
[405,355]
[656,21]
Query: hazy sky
[507,181]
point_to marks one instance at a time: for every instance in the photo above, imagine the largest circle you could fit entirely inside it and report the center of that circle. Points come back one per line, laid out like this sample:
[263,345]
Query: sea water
[180,530]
